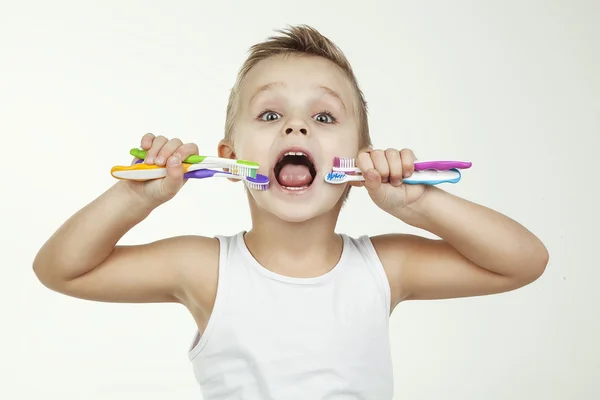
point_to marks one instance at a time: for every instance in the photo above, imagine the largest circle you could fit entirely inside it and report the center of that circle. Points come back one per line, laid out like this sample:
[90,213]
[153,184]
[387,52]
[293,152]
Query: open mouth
[295,170]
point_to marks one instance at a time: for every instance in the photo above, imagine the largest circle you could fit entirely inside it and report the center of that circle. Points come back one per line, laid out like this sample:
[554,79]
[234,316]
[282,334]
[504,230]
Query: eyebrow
[264,88]
[333,94]
[269,86]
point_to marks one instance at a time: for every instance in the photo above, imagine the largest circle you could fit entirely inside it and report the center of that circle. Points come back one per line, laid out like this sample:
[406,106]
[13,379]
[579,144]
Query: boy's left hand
[383,171]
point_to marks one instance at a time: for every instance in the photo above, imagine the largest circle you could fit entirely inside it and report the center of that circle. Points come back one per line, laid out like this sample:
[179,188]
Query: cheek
[253,148]
[342,145]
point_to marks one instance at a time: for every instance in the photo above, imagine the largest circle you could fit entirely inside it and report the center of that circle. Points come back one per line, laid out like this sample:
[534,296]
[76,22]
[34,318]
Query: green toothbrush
[236,167]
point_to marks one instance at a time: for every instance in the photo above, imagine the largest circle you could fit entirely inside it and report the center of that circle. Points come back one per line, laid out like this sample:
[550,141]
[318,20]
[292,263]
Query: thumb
[174,179]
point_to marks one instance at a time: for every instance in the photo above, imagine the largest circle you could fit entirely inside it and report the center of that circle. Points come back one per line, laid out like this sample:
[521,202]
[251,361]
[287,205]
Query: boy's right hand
[167,153]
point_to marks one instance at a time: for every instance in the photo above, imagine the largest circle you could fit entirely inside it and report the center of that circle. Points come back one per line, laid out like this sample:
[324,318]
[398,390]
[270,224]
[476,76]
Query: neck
[293,237]
[294,248]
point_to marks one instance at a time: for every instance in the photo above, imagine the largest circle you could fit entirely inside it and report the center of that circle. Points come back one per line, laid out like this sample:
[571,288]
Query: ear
[225,150]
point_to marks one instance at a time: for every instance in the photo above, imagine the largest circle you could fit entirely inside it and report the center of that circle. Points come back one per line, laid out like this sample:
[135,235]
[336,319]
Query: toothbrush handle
[199,173]
[203,173]
[194,166]
[209,173]
[441,165]
[195,159]
[419,166]
[357,178]
[141,154]
[215,162]
[430,177]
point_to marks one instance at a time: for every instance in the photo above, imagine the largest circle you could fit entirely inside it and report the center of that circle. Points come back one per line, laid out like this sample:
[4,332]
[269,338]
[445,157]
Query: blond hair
[301,39]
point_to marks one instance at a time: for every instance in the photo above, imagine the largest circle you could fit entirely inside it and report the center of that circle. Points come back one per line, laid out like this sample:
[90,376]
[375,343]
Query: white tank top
[277,337]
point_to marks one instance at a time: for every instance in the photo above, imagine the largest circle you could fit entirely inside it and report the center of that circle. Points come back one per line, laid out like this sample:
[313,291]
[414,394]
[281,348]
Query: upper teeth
[294,153]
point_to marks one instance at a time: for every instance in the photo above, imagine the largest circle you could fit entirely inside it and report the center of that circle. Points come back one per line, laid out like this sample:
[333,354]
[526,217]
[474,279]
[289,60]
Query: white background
[512,86]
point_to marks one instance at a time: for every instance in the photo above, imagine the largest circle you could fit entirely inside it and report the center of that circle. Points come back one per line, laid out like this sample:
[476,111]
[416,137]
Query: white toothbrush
[427,177]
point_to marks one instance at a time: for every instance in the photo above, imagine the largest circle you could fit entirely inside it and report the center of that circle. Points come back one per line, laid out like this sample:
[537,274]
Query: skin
[480,251]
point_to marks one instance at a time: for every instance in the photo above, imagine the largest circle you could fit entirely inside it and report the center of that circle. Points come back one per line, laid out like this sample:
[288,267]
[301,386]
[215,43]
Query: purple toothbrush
[347,165]
[261,182]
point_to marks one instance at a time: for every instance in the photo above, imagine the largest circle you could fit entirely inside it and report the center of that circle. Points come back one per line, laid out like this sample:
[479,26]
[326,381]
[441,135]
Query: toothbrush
[347,165]
[427,177]
[143,172]
[237,167]
[150,172]
[261,182]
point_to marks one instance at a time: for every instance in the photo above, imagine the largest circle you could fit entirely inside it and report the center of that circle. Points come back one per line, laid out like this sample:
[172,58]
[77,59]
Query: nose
[296,125]
[301,130]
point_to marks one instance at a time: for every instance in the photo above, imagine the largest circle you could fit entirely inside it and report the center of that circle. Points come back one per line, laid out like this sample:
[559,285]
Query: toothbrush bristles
[243,170]
[256,186]
[343,162]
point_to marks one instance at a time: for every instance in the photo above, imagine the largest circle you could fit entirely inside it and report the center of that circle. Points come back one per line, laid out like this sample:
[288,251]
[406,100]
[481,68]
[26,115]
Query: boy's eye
[324,118]
[269,116]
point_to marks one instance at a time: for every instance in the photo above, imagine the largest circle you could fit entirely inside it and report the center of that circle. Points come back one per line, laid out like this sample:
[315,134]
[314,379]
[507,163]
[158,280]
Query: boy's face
[303,105]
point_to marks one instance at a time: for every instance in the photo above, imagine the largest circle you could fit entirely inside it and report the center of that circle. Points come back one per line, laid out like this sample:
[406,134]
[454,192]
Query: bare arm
[82,258]
[480,252]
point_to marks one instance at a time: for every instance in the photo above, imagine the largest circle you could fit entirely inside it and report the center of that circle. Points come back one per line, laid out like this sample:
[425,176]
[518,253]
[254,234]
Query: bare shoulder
[199,271]
[392,250]
[195,262]
[420,268]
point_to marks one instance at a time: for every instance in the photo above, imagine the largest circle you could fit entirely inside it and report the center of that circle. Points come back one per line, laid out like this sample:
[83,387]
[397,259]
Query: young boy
[291,309]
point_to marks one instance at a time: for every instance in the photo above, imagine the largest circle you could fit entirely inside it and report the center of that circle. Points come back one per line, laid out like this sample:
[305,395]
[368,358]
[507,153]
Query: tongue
[294,175]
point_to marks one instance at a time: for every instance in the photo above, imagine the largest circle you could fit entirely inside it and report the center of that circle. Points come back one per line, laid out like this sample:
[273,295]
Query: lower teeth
[295,188]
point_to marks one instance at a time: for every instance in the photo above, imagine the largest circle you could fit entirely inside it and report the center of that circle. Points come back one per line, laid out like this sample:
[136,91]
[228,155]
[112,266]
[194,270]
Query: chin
[294,213]
[294,216]
[300,205]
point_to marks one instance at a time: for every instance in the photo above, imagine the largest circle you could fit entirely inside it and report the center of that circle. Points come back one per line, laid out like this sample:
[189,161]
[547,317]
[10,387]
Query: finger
[174,179]
[408,162]
[381,165]
[157,144]
[186,150]
[372,178]
[167,151]
[146,142]
[395,165]
[364,162]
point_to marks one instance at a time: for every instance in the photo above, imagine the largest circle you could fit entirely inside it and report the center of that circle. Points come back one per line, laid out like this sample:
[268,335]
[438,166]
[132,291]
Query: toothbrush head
[249,164]
[244,170]
[343,163]
[260,182]
[337,177]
